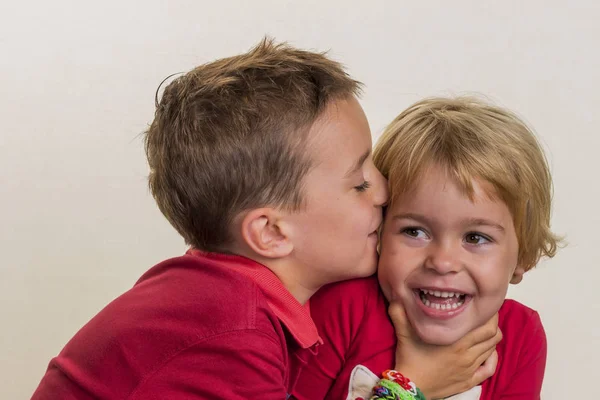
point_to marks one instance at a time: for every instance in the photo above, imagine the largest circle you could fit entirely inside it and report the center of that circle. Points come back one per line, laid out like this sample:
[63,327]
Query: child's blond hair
[475,140]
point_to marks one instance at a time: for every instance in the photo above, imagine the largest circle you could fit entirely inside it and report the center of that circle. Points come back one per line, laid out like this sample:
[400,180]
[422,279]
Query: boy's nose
[380,192]
[443,259]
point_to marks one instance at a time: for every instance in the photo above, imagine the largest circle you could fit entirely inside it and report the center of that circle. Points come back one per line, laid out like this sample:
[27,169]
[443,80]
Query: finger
[482,334]
[482,358]
[485,346]
[487,369]
[399,319]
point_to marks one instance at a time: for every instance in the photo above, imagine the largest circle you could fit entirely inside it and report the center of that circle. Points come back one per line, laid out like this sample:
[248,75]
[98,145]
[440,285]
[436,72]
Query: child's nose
[443,259]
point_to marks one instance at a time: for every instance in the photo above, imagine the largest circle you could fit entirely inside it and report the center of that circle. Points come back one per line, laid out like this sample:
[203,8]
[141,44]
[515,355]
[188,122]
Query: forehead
[340,135]
[439,192]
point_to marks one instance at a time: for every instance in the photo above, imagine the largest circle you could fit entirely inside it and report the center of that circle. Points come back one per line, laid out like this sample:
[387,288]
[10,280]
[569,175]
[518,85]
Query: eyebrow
[356,166]
[467,222]
[416,217]
[484,222]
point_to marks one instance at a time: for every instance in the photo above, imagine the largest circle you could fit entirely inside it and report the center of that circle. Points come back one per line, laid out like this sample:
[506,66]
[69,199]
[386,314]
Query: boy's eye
[363,186]
[476,238]
[416,233]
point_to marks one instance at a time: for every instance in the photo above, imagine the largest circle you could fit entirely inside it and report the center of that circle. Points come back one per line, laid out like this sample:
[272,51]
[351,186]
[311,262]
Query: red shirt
[200,326]
[353,322]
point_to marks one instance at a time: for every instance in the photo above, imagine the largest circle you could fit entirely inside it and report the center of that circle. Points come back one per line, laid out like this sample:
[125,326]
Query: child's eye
[363,186]
[476,238]
[414,232]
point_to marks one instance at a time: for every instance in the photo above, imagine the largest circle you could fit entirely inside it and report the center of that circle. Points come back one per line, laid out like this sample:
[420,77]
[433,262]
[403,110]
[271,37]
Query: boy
[469,212]
[240,158]
[262,162]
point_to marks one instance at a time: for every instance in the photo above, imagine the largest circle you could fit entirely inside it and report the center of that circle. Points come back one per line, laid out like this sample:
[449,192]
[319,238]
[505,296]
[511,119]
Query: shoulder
[354,292]
[523,332]
[517,317]
[347,310]
[189,296]
[201,293]
[341,308]
[176,305]
[521,354]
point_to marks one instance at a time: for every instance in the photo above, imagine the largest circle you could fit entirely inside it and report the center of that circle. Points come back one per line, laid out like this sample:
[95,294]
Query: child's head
[266,154]
[469,212]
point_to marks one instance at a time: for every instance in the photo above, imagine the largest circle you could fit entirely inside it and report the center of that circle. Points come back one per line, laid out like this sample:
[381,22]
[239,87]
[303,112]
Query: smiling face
[447,257]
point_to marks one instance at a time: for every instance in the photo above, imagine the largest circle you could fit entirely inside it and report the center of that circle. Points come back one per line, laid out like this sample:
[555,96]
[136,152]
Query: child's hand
[441,371]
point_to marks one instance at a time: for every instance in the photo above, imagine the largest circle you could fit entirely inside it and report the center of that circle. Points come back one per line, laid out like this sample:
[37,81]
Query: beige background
[77,225]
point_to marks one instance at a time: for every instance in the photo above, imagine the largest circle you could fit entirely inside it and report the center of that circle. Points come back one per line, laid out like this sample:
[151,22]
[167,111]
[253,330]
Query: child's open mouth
[442,301]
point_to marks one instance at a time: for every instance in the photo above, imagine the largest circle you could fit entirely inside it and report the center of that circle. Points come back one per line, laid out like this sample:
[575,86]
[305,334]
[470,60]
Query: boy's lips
[373,237]
[441,303]
[374,233]
[375,229]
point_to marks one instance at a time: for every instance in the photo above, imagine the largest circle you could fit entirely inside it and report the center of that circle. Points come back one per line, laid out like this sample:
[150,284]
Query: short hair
[475,140]
[230,136]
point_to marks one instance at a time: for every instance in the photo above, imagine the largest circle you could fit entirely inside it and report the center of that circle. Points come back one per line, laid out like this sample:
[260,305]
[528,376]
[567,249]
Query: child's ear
[517,275]
[264,232]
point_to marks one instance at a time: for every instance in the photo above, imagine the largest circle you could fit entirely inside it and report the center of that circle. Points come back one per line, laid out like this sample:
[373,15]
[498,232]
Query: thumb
[399,319]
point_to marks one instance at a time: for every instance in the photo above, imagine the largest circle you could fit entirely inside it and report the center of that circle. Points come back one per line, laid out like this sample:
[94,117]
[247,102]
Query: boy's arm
[526,382]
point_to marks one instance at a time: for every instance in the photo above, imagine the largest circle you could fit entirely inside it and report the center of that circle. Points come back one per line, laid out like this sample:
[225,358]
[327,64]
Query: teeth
[443,295]
[443,307]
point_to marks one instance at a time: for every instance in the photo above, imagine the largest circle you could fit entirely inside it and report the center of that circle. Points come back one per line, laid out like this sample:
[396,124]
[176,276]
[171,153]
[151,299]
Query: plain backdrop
[77,83]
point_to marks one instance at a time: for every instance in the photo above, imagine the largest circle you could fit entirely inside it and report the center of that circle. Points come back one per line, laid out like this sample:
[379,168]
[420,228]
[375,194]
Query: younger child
[469,213]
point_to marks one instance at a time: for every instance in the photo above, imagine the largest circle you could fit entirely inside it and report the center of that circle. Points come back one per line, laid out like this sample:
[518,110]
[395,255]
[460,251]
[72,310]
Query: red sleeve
[526,381]
[352,319]
[236,365]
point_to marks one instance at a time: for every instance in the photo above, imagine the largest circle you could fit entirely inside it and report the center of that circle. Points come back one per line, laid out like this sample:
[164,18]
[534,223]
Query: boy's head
[254,155]
[470,199]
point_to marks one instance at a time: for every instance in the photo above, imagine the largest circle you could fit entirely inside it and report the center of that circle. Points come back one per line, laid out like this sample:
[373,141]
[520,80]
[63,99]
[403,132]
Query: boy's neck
[292,283]
[286,271]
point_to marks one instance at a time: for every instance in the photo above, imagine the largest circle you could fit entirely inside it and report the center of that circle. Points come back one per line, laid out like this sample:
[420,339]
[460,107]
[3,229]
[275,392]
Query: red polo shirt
[200,326]
[352,319]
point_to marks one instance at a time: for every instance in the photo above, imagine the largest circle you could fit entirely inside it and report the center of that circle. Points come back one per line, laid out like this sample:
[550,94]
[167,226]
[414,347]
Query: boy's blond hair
[475,140]
[230,136]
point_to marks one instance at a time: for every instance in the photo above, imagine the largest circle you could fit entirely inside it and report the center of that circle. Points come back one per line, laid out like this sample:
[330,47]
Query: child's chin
[439,335]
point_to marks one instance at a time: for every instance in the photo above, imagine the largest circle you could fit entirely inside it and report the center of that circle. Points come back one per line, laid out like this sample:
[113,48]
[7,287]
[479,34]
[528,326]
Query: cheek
[393,266]
[357,218]
[494,275]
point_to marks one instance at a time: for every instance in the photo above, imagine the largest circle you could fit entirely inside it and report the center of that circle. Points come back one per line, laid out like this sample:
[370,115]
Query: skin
[436,238]
[333,237]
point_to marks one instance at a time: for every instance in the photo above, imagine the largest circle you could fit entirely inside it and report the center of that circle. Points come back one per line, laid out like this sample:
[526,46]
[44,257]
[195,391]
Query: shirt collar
[295,316]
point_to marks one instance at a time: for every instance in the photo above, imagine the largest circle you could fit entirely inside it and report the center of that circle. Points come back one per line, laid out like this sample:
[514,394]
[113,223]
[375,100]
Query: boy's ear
[517,275]
[264,231]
